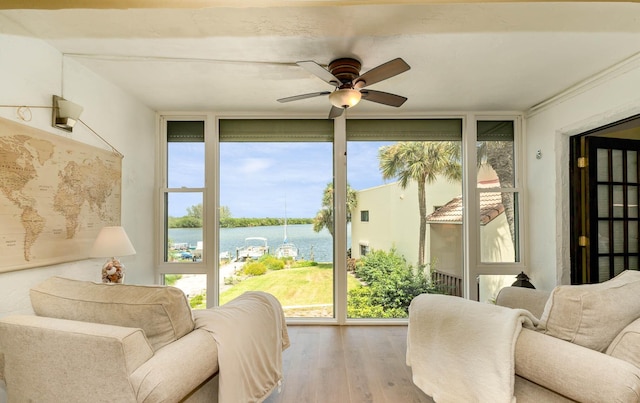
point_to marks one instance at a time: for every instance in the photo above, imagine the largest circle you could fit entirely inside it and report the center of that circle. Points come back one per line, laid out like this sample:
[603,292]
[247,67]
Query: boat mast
[285,220]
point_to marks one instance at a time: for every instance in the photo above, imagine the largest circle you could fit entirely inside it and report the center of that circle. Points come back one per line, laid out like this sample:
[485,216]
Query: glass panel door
[406,217]
[276,222]
[605,189]
[614,218]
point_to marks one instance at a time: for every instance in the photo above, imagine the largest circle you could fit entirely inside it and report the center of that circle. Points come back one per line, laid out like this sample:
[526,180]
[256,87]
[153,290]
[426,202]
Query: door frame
[582,200]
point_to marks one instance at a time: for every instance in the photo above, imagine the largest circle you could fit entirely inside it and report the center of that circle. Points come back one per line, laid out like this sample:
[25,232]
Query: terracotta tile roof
[490,207]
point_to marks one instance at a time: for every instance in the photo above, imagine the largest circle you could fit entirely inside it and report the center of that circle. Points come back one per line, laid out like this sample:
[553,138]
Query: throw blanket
[463,351]
[251,334]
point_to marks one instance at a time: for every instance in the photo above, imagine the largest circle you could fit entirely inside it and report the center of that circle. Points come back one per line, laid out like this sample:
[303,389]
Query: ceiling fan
[344,74]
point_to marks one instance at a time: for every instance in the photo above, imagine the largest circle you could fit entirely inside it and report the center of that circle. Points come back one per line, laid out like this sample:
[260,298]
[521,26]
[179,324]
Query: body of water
[312,245]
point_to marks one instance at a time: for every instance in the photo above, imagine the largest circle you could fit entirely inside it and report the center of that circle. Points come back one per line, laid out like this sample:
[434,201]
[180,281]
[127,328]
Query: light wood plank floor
[347,364]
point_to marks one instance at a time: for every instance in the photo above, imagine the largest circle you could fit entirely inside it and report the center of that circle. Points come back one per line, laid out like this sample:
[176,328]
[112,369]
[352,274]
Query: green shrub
[378,264]
[360,305]
[391,283]
[171,279]
[198,301]
[272,262]
[254,269]
[288,261]
[304,263]
[276,265]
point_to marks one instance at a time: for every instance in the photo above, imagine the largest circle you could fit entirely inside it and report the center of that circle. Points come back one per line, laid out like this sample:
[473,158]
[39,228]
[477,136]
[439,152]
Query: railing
[449,284]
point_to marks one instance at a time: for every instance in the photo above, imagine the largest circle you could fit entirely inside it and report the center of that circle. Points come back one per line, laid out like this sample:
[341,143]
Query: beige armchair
[96,342]
[549,369]
[575,343]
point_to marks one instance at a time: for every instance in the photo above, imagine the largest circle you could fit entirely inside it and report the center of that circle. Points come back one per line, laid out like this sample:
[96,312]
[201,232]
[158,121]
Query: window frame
[473,267]
[476,267]
[206,265]
[364,215]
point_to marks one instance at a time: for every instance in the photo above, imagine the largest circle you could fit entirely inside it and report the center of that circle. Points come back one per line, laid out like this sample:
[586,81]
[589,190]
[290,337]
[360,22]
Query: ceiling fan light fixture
[345,98]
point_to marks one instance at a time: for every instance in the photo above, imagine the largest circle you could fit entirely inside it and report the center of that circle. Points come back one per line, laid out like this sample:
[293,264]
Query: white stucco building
[388,217]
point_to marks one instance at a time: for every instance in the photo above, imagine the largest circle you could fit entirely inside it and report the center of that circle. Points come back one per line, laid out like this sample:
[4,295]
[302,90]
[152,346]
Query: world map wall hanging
[55,196]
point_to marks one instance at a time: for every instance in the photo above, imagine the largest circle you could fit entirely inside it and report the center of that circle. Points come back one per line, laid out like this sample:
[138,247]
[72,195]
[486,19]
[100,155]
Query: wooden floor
[347,364]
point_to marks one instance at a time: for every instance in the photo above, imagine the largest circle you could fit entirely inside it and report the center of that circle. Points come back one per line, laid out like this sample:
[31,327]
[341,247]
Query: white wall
[30,73]
[605,100]
[496,244]
[394,217]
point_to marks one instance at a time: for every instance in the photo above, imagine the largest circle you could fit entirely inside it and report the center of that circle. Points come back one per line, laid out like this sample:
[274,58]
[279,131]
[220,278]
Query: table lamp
[112,242]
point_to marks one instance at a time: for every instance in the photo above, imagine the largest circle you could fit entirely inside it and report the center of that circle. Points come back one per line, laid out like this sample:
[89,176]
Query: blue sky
[258,179]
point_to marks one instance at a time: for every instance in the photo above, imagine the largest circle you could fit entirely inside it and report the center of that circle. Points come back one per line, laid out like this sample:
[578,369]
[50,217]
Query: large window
[400,170]
[342,220]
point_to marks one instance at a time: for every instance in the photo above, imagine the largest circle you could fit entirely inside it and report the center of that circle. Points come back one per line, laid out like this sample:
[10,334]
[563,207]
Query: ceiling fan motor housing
[346,70]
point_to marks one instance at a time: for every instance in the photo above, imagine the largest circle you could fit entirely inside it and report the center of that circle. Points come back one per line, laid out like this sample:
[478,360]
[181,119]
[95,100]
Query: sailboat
[286,249]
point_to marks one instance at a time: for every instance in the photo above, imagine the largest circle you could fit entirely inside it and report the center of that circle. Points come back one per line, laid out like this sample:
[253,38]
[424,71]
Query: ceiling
[232,56]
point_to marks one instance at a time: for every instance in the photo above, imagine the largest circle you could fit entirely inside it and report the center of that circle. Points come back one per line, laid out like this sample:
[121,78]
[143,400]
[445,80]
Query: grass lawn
[311,285]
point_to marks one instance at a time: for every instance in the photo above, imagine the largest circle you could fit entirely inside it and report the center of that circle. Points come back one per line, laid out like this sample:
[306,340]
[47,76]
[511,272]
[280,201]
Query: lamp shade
[111,242]
[345,98]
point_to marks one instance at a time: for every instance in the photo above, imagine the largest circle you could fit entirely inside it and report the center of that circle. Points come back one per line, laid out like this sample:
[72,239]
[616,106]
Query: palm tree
[499,155]
[324,218]
[421,162]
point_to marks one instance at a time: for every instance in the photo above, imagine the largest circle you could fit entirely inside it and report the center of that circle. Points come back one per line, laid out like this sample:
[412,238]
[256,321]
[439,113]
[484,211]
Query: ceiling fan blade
[335,112]
[382,72]
[304,96]
[383,98]
[319,71]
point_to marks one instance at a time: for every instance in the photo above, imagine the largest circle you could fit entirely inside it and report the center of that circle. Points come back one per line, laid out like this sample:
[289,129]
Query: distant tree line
[193,219]
[231,222]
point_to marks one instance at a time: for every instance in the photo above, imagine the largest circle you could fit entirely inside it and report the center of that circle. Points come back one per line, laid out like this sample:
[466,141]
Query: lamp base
[113,272]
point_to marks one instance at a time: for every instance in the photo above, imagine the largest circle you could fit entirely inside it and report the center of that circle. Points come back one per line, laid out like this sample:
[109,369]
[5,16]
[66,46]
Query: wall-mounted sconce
[64,116]
[65,113]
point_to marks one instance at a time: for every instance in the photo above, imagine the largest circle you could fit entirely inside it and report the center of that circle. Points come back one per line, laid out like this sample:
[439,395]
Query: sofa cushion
[162,312]
[530,299]
[579,373]
[626,345]
[591,315]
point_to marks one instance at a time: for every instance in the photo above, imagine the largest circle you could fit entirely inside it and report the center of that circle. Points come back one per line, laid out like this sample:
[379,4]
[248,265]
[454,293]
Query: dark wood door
[605,191]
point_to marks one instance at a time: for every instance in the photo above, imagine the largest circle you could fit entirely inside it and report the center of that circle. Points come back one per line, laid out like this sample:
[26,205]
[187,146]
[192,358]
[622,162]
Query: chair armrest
[626,345]
[574,371]
[49,359]
[177,369]
[523,298]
